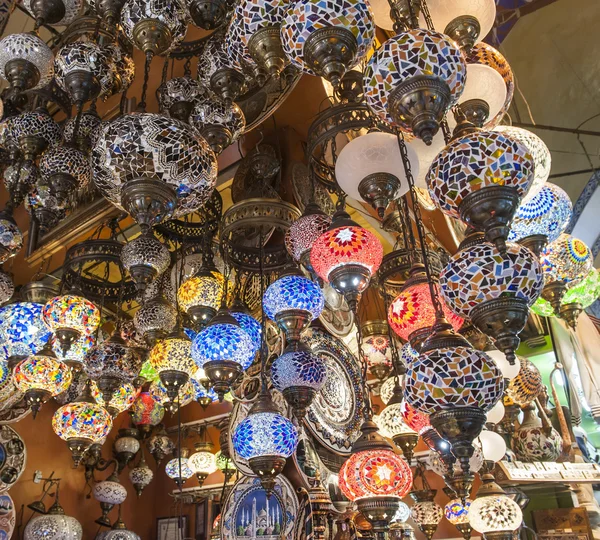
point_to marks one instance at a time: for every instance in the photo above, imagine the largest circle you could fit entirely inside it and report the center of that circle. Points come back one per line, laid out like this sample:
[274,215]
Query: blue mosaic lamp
[248,324]
[541,219]
[203,396]
[224,350]
[22,329]
[299,375]
[178,469]
[293,302]
[266,439]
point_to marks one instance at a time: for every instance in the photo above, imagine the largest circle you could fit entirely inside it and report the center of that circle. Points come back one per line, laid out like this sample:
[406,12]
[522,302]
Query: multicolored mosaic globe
[145,411]
[584,292]
[391,421]
[447,378]
[298,369]
[71,311]
[410,54]
[173,354]
[476,161]
[567,259]
[82,421]
[456,512]
[205,290]
[377,351]
[77,352]
[111,359]
[179,469]
[548,213]
[223,341]
[42,373]
[187,394]
[265,434]
[122,399]
[415,420]
[481,273]
[22,329]
[293,293]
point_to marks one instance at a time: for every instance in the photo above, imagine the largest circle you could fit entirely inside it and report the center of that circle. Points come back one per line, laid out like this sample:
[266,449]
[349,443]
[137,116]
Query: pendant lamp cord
[263,318]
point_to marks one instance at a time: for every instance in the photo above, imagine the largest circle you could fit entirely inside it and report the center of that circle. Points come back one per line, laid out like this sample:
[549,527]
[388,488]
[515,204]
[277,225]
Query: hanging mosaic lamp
[26,62]
[411,314]
[293,302]
[7,288]
[70,316]
[376,348]
[370,169]
[542,218]
[11,238]
[494,290]
[54,12]
[208,14]
[82,424]
[542,159]
[565,262]
[108,10]
[225,465]
[201,295]
[457,513]
[41,377]
[153,26]
[185,397]
[122,399]
[34,131]
[87,130]
[138,165]
[304,232]
[119,531]
[224,350]
[375,478]
[299,375]
[109,493]
[480,178]
[578,297]
[203,461]
[527,385]
[22,329]
[141,476]
[266,439]
[54,525]
[327,39]
[391,424]
[178,95]
[145,257]
[125,68]
[160,445]
[248,324]
[178,469]
[455,385]
[346,257]
[426,513]
[146,413]
[408,85]
[221,123]
[172,359]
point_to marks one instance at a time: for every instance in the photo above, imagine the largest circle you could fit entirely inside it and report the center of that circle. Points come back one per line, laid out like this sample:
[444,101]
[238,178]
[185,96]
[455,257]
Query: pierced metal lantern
[145,257]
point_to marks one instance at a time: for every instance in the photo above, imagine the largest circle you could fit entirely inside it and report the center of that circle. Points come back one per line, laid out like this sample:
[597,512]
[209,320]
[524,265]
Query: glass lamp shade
[456,512]
[414,419]
[203,462]
[159,445]
[179,90]
[377,351]
[53,526]
[71,312]
[250,325]
[126,444]
[542,158]
[84,57]
[202,291]
[493,445]
[348,245]
[179,469]
[495,513]
[42,373]
[413,309]
[155,147]
[185,396]
[173,354]
[303,233]
[481,273]
[39,124]
[112,359]
[509,371]
[453,377]
[293,293]
[547,213]
[125,68]
[32,49]
[387,389]
[370,157]
[156,317]
[76,353]
[219,122]
[171,19]
[200,392]
[307,17]
[69,11]
[145,411]
[478,160]
[22,329]
[11,239]
[89,128]
[391,421]
[120,534]
[122,399]
[567,259]
[147,252]
[299,368]
[7,288]
[141,476]
[220,342]
[585,292]
[527,385]
[426,513]
[496,413]
[402,514]
[82,420]
[445,15]
[375,473]
[109,492]
[224,464]
[408,55]
[265,434]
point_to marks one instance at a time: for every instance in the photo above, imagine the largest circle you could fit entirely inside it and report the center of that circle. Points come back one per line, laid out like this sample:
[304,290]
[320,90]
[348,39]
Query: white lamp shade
[372,153]
[443,12]
[496,413]
[508,371]
[485,83]
[426,155]
[495,513]
[492,446]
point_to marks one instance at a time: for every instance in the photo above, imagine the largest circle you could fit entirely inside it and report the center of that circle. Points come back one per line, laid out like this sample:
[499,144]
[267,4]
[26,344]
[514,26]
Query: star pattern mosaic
[474,162]
[481,273]
[223,342]
[411,54]
[150,145]
[298,368]
[249,325]
[293,292]
[173,353]
[265,434]
[307,16]
[447,378]
[28,47]
[567,259]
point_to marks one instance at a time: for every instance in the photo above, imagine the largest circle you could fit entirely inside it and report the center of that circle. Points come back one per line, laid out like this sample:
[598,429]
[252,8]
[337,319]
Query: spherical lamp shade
[173,354]
[547,213]
[426,513]
[493,445]
[303,233]
[496,413]
[370,169]
[414,419]
[223,342]
[22,329]
[177,96]
[200,296]
[112,360]
[542,158]
[11,238]
[76,354]
[122,398]
[250,325]
[185,396]
[39,126]
[437,465]
[141,476]
[509,371]
[567,259]
[308,24]
[31,50]
[145,257]
[292,293]
[495,513]
[179,470]
[146,412]
[203,462]
[65,168]
[453,377]
[110,492]
[265,434]
[387,389]
[391,421]
[298,368]
[224,464]
[413,58]
[456,512]
[375,473]
[527,385]
[377,354]
[402,514]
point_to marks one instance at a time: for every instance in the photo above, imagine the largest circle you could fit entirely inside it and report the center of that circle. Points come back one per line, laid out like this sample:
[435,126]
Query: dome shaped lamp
[579,297]
[203,461]
[145,257]
[403,436]
[108,493]
[34,131]
[266,439]
[201,295]
[426,513]
[370,169]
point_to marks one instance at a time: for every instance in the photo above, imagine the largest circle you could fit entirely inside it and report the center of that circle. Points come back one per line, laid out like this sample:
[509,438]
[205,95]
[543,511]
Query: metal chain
[395,355]
[361,358]
[426,14]
[149,57]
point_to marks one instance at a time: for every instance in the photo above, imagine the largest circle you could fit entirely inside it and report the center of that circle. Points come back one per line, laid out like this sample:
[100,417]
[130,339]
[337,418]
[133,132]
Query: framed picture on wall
[167,528]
